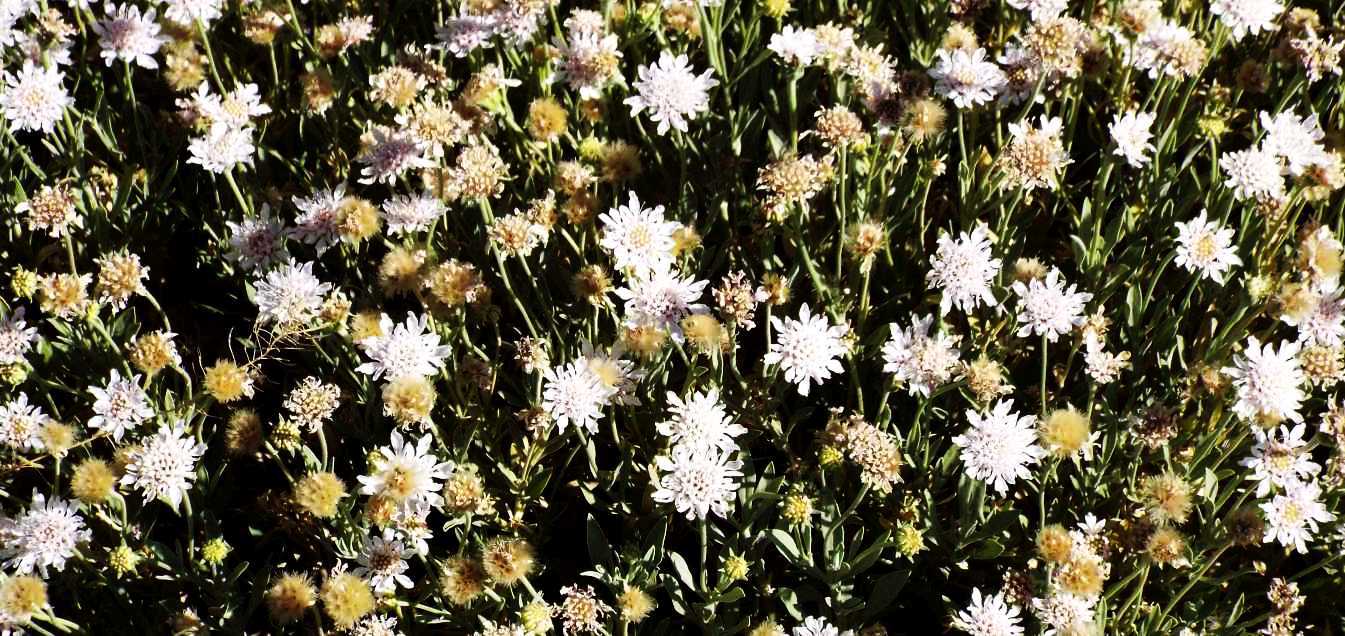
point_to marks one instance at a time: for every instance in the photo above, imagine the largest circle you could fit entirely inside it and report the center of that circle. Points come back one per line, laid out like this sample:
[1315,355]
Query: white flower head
[1041,10]
[795,46]
[319,218]
[697,481]
[383,563]
[21,424]
[966,78]
[407,349]
[16,338]
[1268,381]
[639,239]
[221,148]
[588,62]
[407,473]
[257,242]
[671,92]
[1322,320]
[700,421]
[1205,247]
[1297,140]
[1131,134]
[120,406]
[1253,173]
[164,466]
[1065,614]
[1247,17]
[923,360]
[389,153]
[964,268]
[999,446]
[188,12]
[575,395]
[1279,459]
[290,295]
[1292,517]
[817,626]
[1049,307]
[989,616]
[46,535]
[34,98]
[129,36]
[807,349]
[407,214]
[661,300]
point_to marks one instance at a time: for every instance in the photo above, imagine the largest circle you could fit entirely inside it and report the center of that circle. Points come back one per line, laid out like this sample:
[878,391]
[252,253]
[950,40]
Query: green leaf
[683,572]
[885,590]
[786,545]
[598,548]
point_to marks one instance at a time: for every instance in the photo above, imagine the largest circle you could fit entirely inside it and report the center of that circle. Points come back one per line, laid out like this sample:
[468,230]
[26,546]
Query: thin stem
[1044,344]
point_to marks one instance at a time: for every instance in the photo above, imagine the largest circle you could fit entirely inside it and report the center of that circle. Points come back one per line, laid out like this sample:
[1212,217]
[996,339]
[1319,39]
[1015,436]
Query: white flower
[237,108]
[1065,614]
[671,92]
[1293,517]
[1243,17]
[376,625]
[574,395]
[409,349]
[290,295]
[1323,323]
[1268,382]
[998,447]
[1253,173]
[383,563]
[700,421]
[661,300]
[921,360]
[128,36]
[1320,253]
[120,406]
[389,153]
[639,239]
[407,473]
[620,375]
[817,626]
[1162,48]
[164,465]
[966,78]
[466,32]
[989,616]
[1296,139]
[964,269]
[407,214]
[16,338]
[222,148]
[795,46]
[1040,9]
[697,481]
[319,219]
[1131,134]
[21,424]
[1279,459]
[589,62]
[187,12]
[1205,247]
[44,536]
[807,349]
[35,98]
[1104,367]
[1048,307]
[258,242]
